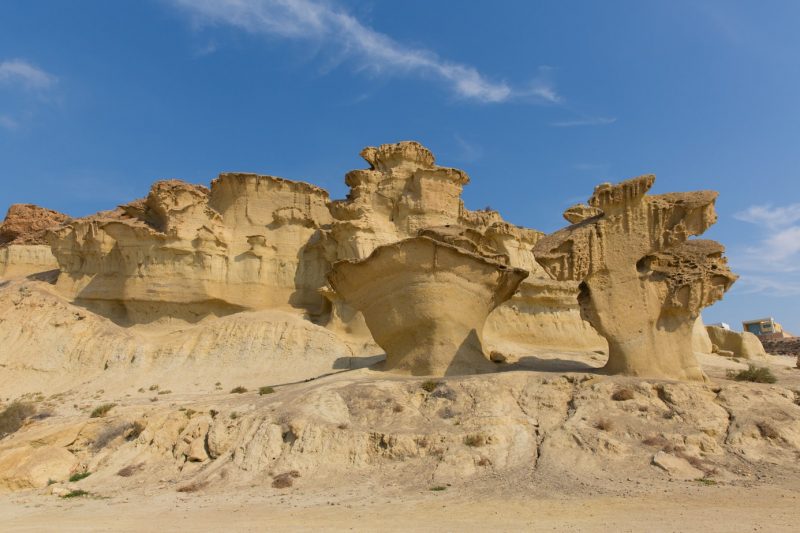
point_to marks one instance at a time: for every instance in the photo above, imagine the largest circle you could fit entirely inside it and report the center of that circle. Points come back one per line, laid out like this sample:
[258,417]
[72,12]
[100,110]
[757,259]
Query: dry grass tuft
[14,416]
[194,486]
[429,385]
[604,424]
[476,440]
[768,431]
[285,480]
[620,395]
[102,410]
[130,470]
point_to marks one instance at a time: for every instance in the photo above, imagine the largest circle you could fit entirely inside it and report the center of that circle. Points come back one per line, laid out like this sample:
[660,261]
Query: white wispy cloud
[586,121]
[770,216]
[331,25]
[22,73]
[771,265]
[8,123]
[752,283]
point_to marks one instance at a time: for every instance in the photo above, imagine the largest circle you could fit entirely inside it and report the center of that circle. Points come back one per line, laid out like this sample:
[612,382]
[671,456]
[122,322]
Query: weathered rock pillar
[643,283]
[425,302]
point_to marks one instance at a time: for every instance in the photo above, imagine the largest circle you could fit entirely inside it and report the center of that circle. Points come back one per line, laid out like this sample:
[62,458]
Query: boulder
[741,343]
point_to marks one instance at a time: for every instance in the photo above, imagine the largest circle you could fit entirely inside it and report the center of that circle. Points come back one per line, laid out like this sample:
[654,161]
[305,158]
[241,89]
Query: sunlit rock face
[643,283]
[425,302]
[253,242]
[403,194]
[23,247]
[246,243]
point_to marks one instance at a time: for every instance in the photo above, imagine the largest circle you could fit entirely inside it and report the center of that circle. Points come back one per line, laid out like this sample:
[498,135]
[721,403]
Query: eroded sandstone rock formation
[425,302]
[403,193]
[245,243]
[23,246]
[740,343]
[252,242]
[643,283]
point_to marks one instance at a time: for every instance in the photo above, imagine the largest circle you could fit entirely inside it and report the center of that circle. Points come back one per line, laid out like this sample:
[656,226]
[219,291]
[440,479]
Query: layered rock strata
[247,243]
[404,193]
[643,283]
[23,247]
[425,302]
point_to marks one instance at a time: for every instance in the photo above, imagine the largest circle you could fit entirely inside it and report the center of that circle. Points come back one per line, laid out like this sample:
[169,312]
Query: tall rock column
[642,282]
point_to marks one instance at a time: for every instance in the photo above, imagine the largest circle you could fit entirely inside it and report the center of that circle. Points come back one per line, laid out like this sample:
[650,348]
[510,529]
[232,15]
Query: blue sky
[538,101]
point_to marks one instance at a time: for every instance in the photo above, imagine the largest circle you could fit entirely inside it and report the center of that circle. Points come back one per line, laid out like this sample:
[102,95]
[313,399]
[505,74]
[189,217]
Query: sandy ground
[687,508]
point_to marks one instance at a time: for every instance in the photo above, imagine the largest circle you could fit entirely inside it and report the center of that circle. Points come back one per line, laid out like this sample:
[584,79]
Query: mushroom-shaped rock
[643,283]
[425,303]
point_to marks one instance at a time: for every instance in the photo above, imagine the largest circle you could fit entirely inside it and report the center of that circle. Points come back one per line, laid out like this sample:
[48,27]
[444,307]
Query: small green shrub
[13,416]
[265,390]
[238,390]
[755,374]
[438,488]
[102,410]
[430,385]
[79,476]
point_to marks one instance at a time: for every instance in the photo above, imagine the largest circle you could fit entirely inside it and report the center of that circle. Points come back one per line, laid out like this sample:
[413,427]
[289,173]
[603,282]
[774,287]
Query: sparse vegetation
[234,415]
[706,481]
[398,408]
[767,430]
[620,395]
[604,424]
[484,461]
[193,486]
[13,417]
[102,410]
[658,441]
[165,391]
[75,494]
[476,440]
[285,480]
[238,390]
[755,374]
[429,385]
[79,476]
[130,470]
[153,387]
[265,390]
[438,488]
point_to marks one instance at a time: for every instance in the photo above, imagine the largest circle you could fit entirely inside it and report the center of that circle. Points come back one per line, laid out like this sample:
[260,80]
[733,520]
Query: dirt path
[708,509]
